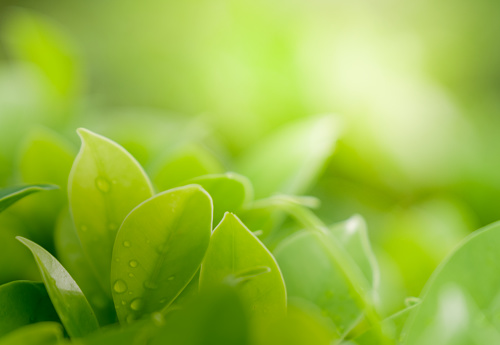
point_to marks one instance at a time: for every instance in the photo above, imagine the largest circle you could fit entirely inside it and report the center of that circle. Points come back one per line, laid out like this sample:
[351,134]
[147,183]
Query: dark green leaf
[43,333]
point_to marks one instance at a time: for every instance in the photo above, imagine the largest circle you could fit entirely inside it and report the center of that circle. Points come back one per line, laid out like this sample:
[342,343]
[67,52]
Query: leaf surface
[10,195]
[71,305]
[158,250]
[43,333]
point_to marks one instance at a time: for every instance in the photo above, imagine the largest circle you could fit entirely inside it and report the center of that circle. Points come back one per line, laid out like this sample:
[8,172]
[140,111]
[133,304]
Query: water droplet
[132,263]
[171,278]
[120,286]
[123,302]
[148,284]
[157,318]
[112,226]
[84,228]
[131,275]
[102,184]
[126,244]
[137,304]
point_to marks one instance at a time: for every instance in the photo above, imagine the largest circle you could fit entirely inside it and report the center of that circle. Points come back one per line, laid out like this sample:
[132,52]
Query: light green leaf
[461,300]
[229,192]
[10,195]
[234,251]
[23,303]
[184,164]
[71,305]
[43,333]
[105,184]
[70,253]
[296,154]
[158,250]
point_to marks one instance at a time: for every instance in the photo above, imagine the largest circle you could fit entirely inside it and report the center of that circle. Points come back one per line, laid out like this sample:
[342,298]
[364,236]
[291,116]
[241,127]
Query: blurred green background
[415,85]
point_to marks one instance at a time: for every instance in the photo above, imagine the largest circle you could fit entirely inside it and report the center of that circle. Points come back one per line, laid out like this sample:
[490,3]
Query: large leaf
[289,160]
[460,303]
[43,333]
[70,254]
[71,305]
[311,273]
[158,250]
[24,302]
[236,256]
[229,192]
[8,196]
[105,184]
[186,163]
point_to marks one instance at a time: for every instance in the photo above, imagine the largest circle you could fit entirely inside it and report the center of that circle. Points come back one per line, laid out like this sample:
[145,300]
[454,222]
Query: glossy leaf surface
[71,305]
[105,184]
[10,195]
[229,192]
[23,303]
[43,333]
[461,302]
[235,256]
[296,154]
[158,250]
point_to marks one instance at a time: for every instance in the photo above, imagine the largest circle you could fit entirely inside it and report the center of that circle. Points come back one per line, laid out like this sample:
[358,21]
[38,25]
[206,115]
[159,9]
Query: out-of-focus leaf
[460,303]
[158,250]
[236,256]
[185,164]
[311,274]
[37,40]
[70,253]
[289,160]
[215,317]
[43,333]
[229,192]
[71,305]
[105,184]
[23,303]
[10,195]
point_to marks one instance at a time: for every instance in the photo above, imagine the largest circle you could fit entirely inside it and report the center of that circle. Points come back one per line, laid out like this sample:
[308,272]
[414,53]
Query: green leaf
[311,274]
[105,184]
[460,302]
[23,303]
[185,164]
[43,333]
[229,192]
[71,305]
[158,250]
[70,253]
[296,154]
[234,252]
[10,195]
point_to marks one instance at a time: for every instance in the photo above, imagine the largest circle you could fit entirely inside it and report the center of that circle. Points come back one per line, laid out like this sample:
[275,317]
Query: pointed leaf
[296,154]
[71,305]
[229,192]
[462,291]
[158,250]
[24,302]
[234,249]
[10,195]
[105,184]
[43,333]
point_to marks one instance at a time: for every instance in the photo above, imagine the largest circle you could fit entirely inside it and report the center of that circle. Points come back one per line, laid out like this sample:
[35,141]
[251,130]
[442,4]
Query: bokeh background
[415,86]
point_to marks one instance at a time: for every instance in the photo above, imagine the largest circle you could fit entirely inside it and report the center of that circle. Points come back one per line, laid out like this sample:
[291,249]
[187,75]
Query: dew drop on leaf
[171,278]
[120,286]
[102,184]
[126,244]
[132,263]
[150,285]
[137,304]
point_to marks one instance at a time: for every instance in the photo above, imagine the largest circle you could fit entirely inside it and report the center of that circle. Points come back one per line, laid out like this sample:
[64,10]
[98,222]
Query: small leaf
[185,164]
[462,295]
[10,195]
[296,154]
[234,249]
[158,250]
[43,333]
[229,192]
[105,184]
[71,305]
[23,303]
